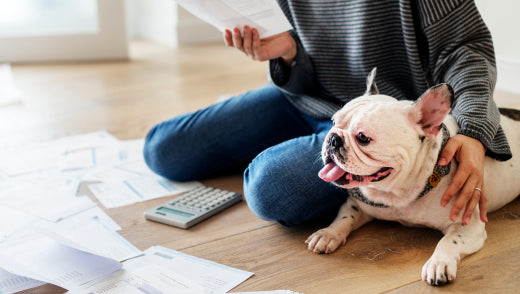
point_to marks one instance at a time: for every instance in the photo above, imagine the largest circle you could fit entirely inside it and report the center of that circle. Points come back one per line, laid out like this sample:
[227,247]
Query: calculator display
[173,211]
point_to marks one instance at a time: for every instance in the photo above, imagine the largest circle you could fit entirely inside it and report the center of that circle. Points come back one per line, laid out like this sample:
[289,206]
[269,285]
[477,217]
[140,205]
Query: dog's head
[376,139]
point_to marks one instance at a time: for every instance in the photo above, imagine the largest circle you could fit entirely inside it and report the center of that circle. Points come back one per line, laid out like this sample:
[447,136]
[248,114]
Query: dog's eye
[362,139]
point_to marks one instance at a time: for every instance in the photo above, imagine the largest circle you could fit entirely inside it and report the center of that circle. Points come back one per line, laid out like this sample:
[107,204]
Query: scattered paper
[12,221]
[49,261]
[264,15]
[140,277]
[41,198]
[48,234]
[116,194]
[91,235]
[162,270]
[211,275]
[11,283]
[52,154]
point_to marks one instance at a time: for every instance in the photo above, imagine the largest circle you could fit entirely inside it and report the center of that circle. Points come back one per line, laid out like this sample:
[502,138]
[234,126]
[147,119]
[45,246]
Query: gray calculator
[192,207]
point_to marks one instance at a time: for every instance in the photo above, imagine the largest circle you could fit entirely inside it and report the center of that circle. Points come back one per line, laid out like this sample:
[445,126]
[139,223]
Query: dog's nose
[335,141]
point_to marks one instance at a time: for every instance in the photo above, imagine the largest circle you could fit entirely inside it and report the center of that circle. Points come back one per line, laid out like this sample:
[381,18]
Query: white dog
[385,151]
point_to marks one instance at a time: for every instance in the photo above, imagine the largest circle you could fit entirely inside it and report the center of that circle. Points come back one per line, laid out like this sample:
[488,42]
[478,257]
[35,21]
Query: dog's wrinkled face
[365,146]
[375,139]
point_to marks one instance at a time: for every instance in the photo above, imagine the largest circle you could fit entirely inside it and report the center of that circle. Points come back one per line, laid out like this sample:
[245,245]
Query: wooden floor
[128,97]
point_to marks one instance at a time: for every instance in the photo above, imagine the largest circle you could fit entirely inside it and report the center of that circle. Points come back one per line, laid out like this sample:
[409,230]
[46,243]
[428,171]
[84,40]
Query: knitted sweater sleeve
[460,52]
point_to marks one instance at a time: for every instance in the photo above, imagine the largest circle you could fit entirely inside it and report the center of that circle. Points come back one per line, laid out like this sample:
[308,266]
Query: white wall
[165,22]
[154,20]
[503,21]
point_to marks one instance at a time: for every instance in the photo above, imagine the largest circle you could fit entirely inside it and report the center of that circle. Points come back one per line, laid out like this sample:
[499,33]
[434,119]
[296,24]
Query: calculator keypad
[202,199]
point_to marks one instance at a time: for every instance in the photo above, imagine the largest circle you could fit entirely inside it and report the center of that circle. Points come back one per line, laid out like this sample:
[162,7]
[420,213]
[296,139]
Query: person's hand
[281,45]
[468,181]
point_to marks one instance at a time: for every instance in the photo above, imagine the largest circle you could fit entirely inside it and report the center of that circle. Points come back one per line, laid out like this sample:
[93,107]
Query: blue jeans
[278,146]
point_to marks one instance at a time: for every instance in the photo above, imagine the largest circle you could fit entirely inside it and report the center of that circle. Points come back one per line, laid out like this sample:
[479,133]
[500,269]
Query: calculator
[193,206]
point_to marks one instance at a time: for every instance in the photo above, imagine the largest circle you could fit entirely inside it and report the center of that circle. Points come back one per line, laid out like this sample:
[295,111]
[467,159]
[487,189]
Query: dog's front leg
[327,240]
[459,240]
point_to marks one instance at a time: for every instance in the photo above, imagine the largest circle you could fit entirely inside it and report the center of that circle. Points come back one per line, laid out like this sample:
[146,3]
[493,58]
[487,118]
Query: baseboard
[508,75]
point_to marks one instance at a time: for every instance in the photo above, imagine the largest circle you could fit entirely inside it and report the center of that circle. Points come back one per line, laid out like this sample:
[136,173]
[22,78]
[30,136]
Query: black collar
[438,172]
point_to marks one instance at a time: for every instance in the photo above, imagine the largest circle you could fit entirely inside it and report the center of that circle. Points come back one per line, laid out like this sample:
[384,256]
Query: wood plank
[478,277]
[378,257]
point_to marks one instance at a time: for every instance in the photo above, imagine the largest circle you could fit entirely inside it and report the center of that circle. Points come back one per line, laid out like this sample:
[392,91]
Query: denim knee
[268,196]
[159,154]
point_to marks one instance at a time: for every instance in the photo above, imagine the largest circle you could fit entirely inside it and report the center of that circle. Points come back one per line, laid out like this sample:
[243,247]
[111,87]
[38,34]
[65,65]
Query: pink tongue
[331,172]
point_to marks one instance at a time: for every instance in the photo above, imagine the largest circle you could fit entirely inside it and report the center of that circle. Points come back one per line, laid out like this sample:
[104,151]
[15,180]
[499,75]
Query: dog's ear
[431,108]
[371,83]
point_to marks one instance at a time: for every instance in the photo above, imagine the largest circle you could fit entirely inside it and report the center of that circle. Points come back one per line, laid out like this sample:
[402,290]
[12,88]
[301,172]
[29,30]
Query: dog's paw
[325,241]
[439,270]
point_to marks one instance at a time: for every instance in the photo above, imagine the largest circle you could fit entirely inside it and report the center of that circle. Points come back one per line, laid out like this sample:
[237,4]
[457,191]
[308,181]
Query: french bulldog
[385,152]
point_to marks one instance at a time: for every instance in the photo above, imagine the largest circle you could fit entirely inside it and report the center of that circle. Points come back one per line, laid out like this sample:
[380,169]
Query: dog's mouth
[331,172]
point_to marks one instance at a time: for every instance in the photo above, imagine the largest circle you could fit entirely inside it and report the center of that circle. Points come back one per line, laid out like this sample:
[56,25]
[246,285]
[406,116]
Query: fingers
[237,40]
[470,206]
[228,38]
[256,42]
[463,184]
[482,205]
[446,156]
[247,41]
[470,154]
[448,152]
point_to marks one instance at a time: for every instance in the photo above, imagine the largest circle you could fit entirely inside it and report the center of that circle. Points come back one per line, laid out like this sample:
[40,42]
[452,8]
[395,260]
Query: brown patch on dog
[511,113]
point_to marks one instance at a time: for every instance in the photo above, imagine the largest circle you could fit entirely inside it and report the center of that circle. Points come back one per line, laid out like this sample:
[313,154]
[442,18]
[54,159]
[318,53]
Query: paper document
[11,283]
[211,275]
[264,15]
[91,235]
[115,194]
[140,277]
[162,270]
[47,260]
[60,153]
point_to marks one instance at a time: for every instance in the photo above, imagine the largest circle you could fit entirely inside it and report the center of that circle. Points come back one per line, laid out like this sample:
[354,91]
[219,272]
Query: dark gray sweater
[413,44]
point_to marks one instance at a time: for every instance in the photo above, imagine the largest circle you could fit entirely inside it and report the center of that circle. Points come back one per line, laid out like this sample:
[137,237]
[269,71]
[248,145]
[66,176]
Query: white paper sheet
[52,199]
[20,160]
[11,283]
[46,260]
[116,194]
[264,15]
[89,234]
[12,221]
[141,277]
[162,270]
[211,275]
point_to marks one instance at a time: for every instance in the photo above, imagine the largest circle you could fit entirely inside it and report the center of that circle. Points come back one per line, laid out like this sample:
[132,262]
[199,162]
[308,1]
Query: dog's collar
[356,193]
[438,172]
